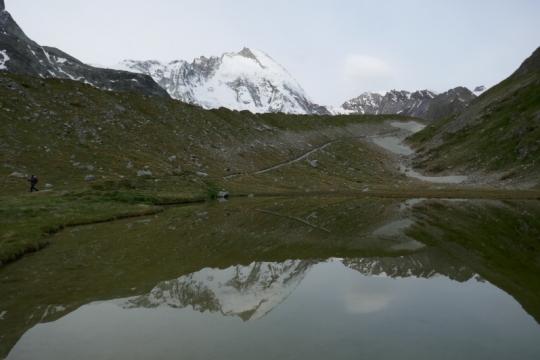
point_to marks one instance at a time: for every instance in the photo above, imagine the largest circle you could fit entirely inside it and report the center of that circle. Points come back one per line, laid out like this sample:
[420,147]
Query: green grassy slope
[499,132]
[64,130]
[58,128]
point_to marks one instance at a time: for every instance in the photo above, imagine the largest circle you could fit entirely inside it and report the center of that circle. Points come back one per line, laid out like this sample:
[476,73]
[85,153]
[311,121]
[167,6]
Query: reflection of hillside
[496,239]
[249,292]
[117,261]
[125,258]
[422,265]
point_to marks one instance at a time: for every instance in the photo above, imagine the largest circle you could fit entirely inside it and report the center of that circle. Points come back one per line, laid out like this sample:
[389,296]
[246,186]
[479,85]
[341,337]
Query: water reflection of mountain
[251,292]
[421,265]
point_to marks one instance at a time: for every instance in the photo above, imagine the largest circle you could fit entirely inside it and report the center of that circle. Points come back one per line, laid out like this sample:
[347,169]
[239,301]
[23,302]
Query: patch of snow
[47,55]
[3,60]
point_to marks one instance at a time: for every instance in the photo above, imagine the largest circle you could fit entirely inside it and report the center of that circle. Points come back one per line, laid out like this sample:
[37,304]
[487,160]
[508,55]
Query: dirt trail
[305,155]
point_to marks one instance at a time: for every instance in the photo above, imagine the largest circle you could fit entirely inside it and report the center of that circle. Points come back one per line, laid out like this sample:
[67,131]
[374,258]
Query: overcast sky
[335,49]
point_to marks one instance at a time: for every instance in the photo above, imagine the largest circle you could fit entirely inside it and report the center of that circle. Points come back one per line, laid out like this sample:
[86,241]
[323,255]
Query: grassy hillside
[151,151]
[59,128]
[498,134]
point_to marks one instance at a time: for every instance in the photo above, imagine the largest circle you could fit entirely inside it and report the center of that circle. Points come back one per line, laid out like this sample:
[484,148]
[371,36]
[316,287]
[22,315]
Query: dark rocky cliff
[20,54]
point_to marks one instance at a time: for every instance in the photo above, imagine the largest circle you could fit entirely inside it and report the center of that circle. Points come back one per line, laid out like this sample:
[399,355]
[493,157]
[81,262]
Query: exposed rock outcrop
[20,54]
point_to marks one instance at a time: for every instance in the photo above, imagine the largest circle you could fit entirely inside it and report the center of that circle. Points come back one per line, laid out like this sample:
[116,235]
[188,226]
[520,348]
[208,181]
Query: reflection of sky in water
[335,312]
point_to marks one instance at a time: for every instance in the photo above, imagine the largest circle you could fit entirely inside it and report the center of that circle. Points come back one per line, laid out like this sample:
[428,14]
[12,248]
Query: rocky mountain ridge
[20,54]
[424,104]
[247,80]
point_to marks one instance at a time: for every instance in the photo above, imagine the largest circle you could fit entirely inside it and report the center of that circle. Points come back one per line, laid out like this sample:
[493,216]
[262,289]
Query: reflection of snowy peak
[249,292]
[421,265]
[247,80]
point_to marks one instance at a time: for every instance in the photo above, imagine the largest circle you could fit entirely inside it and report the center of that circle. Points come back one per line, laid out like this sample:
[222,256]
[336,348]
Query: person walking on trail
[33,181]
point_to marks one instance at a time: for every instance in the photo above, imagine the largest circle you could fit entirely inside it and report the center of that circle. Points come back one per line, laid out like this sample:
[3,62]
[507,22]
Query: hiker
[33,181]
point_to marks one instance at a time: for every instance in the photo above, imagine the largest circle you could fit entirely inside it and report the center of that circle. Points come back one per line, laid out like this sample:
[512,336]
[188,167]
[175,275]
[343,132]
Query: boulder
[18,175]
[120,108]
[90,178]
[144,172]
[201,174]
[223,195]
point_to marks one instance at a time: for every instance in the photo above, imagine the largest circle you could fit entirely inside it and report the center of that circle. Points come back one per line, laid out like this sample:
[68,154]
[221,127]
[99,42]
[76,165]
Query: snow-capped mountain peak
[246,80]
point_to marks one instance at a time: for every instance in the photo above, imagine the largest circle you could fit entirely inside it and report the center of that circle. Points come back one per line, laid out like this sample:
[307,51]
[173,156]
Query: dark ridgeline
[28,57]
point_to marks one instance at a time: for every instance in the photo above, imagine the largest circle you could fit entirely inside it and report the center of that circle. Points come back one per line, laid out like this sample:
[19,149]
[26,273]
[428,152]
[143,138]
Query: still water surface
[318,311]
[253,285]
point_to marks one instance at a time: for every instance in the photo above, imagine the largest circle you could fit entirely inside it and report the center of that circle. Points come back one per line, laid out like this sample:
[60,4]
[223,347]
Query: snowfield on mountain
[247,80]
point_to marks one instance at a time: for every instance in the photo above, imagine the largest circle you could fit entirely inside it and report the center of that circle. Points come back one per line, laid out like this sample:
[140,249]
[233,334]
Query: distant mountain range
[424,104]
[246,80]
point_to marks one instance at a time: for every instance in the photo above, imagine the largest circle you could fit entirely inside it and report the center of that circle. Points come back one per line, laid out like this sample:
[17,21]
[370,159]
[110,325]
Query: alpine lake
[284,277]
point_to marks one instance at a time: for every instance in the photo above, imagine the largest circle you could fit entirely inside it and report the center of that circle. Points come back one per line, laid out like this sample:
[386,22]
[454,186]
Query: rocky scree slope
[498,134]
[20,54]
[247,80]
[423,104]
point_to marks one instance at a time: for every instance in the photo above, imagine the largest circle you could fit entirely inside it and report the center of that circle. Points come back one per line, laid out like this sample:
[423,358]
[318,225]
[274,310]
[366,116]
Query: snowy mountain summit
[247,80]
